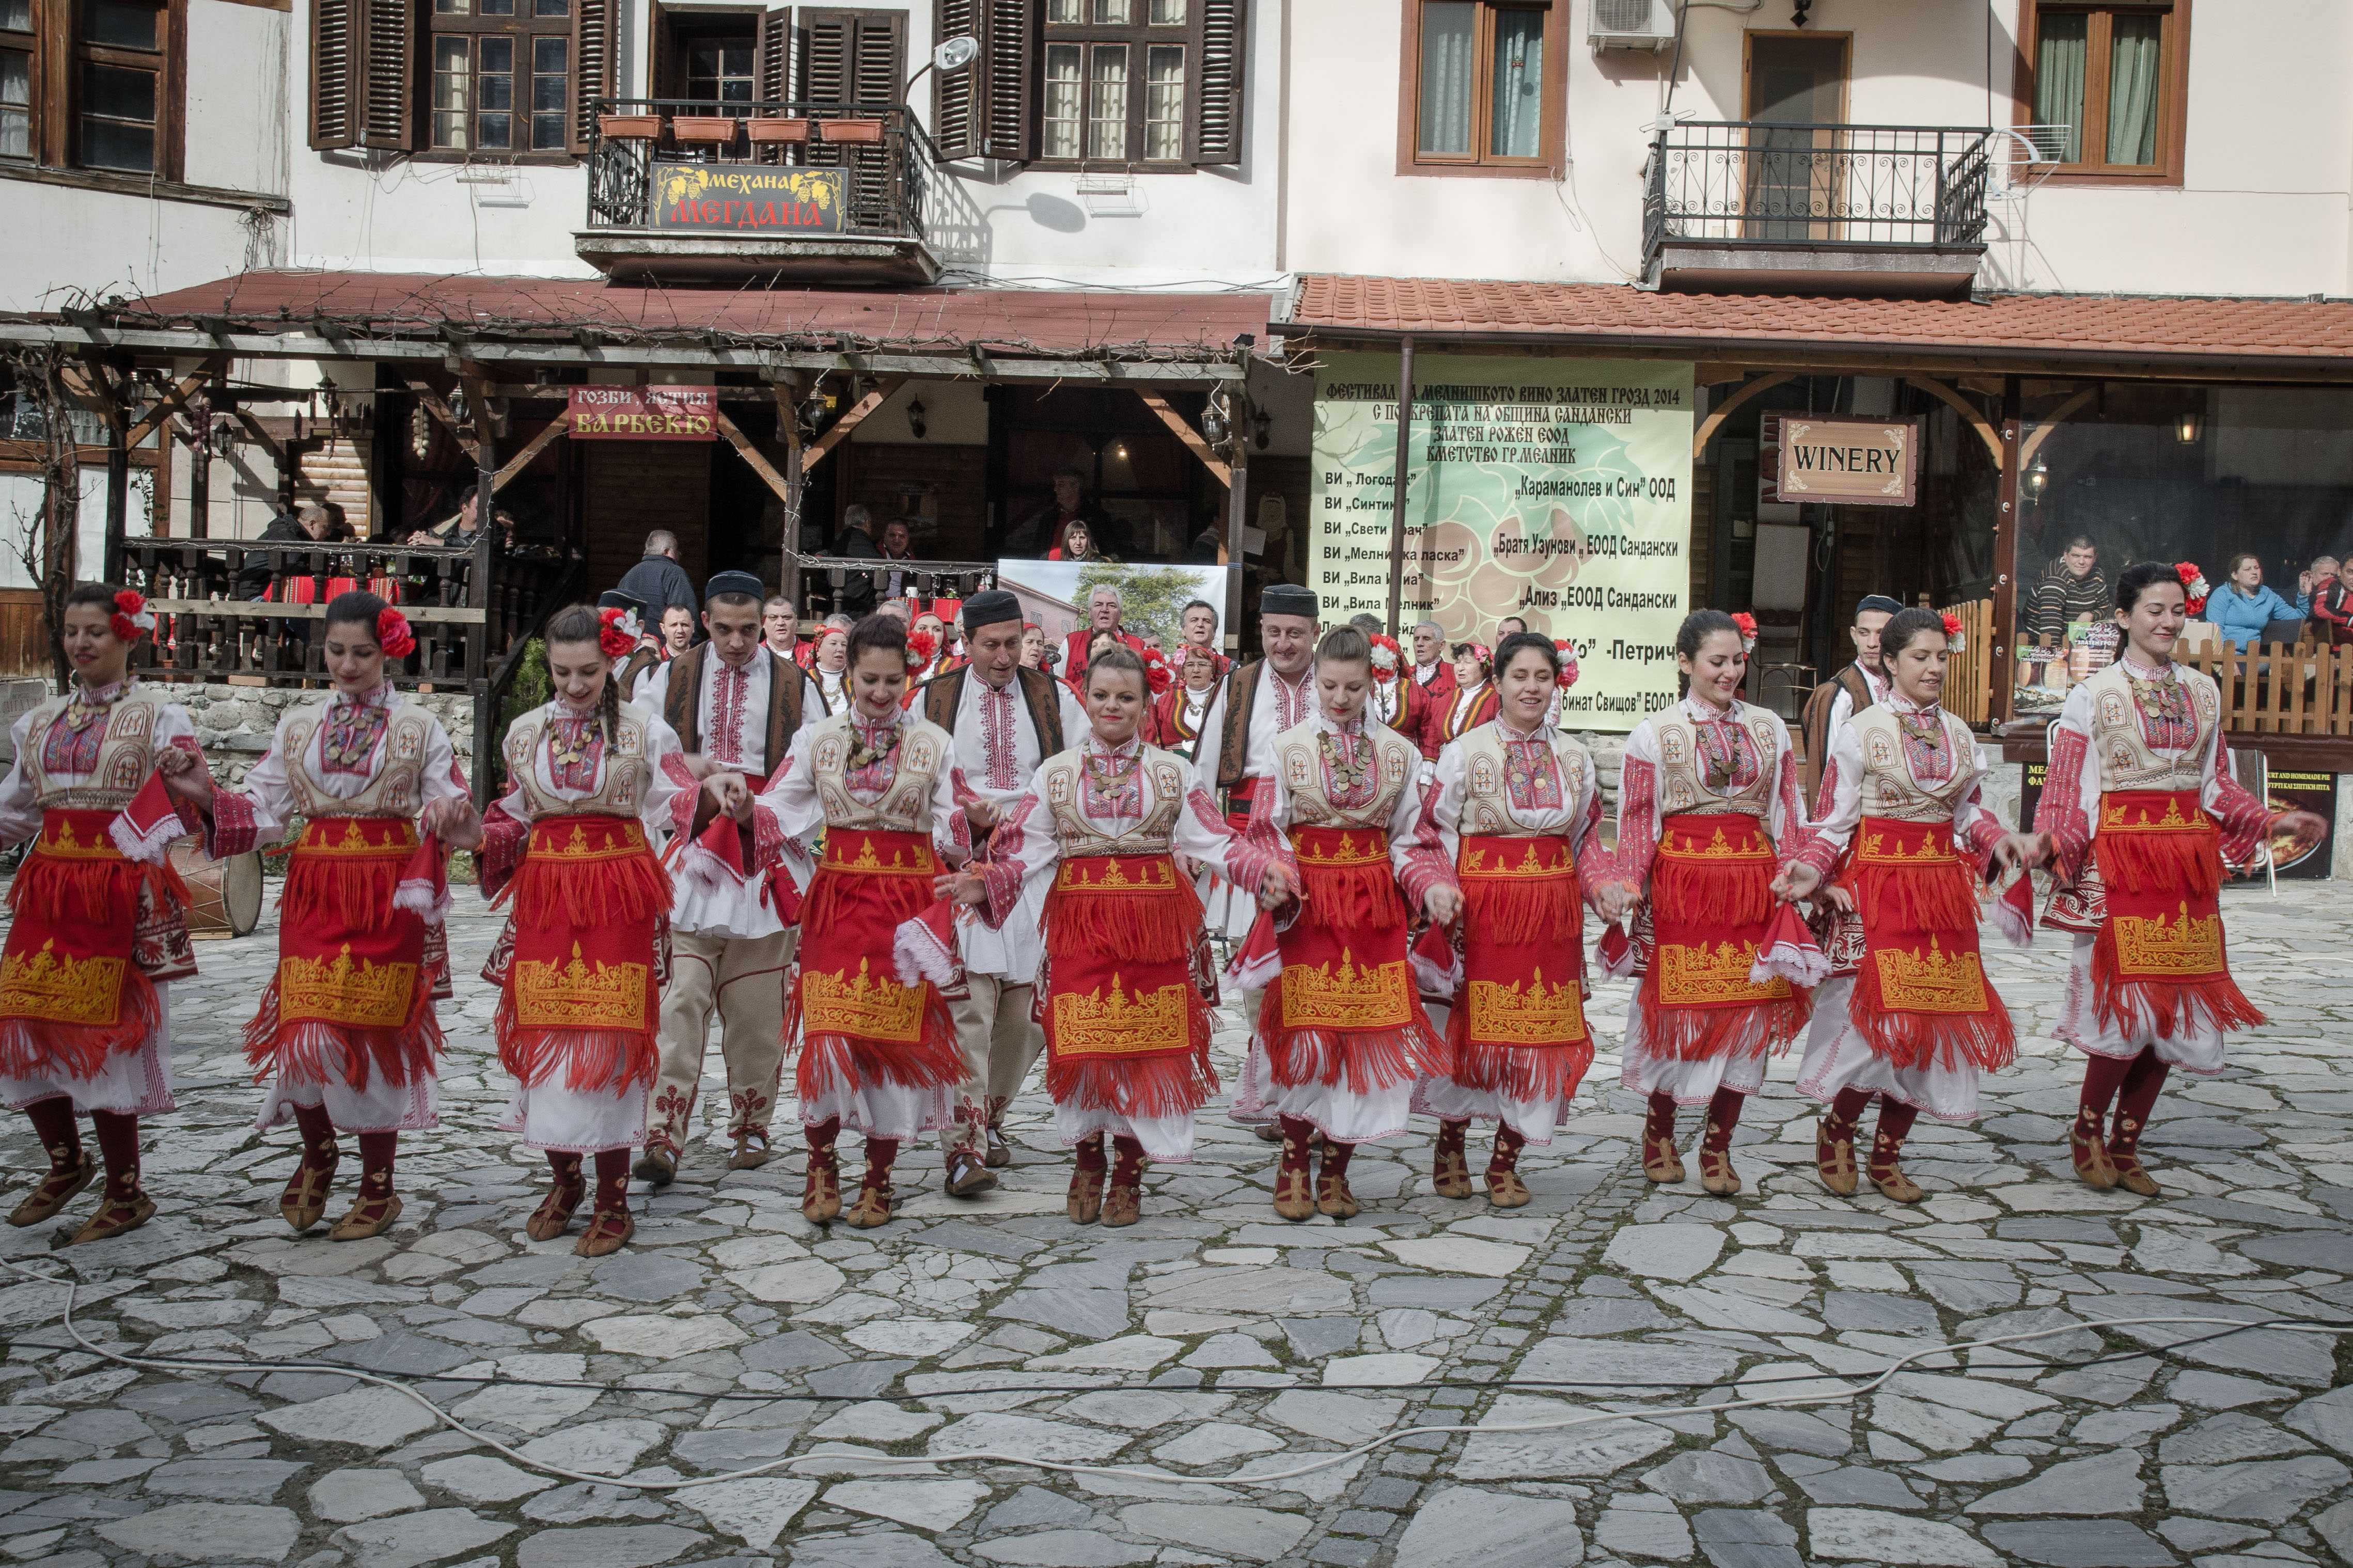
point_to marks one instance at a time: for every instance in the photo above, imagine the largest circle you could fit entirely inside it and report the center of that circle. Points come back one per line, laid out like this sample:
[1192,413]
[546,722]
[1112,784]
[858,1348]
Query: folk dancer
[1260,700]
[1341,1035]
[346,1025]
[1915,1022]
[1004,721]
[2139,817]
[733,703]
[1842,696]
[1128,989]
[1473,701]
[1707,791]
[582,961]
[1513,811]
[878,1043]
[99,930]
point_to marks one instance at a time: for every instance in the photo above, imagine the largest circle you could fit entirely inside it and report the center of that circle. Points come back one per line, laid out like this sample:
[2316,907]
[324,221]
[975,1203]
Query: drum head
[241,891]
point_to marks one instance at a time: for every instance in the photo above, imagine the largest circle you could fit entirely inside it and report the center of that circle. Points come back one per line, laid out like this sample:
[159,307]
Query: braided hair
[576,624]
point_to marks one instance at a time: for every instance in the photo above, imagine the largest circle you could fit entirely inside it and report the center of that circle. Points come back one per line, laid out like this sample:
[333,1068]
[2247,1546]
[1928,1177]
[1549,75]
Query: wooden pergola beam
[438,407]
[1965,409]
[532,448]
[175,398]
[1180,427]
[1723,411]
[814,453]
[2043,429]
[749,450]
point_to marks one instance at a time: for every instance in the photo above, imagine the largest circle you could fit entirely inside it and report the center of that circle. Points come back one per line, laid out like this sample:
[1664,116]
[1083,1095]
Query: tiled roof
[1010,320]
[2141,327]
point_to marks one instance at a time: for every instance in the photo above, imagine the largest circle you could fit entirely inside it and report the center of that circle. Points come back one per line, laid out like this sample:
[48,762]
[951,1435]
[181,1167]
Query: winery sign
[746,199]
[1852,462]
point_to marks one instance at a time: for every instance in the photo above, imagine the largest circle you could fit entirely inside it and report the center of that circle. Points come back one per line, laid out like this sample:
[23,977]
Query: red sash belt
[1126,1029]
[69,993]
[2160,859]
[581,992]
[1711,902]
[1921,994]
[1519,1023]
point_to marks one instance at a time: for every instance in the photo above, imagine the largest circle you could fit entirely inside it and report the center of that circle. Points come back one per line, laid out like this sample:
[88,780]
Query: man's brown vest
[682,707]
[944,697]
[1816,723]
[1233,746]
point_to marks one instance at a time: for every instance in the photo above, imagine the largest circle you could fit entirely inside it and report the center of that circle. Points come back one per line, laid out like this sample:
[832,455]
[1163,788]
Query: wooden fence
[2281,689]
[1968,674]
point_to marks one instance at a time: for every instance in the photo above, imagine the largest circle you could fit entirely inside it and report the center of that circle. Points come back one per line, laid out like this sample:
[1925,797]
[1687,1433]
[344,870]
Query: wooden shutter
[1011,42]
[335,51]
[955,127]
[1219,28]
[854,57]
[775,55]
[391,81]
[594,50]
[821,62]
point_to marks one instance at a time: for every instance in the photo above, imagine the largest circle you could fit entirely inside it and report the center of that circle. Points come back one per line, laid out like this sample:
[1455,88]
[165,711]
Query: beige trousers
[1001,1043]
[743,981]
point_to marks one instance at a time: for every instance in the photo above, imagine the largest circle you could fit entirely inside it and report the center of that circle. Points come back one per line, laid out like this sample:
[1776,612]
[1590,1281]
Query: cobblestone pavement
[1212,1340]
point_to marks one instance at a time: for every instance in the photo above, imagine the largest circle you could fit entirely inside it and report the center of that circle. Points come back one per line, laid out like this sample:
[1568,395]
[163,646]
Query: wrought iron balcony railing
[1728,183]
[887,156]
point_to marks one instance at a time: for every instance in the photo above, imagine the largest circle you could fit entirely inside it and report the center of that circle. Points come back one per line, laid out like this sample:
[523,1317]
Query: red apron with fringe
[1921,996]
[69,993]
[1126,1028]
[1345,1006]
[856,1021]
[1711,902]
[351,986]
[2160,859]
[1513,1029]
[579,994]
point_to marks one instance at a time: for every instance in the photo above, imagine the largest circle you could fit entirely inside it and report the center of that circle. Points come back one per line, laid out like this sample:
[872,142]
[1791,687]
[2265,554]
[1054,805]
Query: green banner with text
[1558,490]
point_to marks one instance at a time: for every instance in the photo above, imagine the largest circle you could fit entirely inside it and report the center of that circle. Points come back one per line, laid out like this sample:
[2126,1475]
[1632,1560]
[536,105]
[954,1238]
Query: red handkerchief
[146,829]
[1789,950]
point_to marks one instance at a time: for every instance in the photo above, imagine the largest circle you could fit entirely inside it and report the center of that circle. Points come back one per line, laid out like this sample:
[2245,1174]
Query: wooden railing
[2279,688]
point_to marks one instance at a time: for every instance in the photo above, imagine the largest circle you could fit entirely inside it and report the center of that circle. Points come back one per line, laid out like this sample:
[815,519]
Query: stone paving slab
[1213,1343]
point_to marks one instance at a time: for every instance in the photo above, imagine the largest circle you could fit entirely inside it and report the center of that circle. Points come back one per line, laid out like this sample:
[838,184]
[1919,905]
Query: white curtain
[1518,112]
[1448,27]
[2059,58]
[2132,90]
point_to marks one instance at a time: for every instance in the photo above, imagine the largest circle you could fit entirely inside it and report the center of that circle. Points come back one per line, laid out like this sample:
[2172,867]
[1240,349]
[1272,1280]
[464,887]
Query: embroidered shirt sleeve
[662,783]
[262,807]
[20,810]
[791,798]
[1786,820]
[1025,847]
[1415,848]
[689,796]
[2061,812]
[2245,820]
[1828,836]
[1638,820]
[440,779]
[1202,833]
[506,828]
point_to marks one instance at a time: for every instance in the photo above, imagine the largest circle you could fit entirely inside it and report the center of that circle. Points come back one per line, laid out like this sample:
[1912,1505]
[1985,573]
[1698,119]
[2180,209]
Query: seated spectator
[308,523]
[2072,588]
[898,544]
[2244,611]
[2332,606]
[1078,544]
[2312,579]
[1044,530]
[855,597]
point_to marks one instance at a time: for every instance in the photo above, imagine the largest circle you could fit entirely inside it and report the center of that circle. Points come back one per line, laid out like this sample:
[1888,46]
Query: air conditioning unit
[1629,24]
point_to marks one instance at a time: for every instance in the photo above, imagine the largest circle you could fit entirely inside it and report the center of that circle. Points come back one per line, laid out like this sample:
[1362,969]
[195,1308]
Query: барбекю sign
[645,413]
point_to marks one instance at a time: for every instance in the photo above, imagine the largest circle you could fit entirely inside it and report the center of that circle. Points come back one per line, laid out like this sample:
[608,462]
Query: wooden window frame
[28,44]
[1138,37]
[1550,163]
[521,28]
[58,54]
[2173,98]
[661,62]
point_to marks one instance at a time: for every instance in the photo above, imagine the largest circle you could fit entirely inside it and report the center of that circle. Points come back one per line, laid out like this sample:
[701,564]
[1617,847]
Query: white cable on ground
[1123,1472]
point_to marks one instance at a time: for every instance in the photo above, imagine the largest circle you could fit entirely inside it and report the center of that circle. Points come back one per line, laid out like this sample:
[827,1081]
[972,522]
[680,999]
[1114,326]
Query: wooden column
[1237,518]
[487,733]
[789,430]
[118,477]
[2005,561]
[1397,500]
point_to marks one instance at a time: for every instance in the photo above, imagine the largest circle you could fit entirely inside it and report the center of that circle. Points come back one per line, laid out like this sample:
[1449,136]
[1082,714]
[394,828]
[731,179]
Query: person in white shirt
[738,707]
[780,627]
[830,667]
[1005,720]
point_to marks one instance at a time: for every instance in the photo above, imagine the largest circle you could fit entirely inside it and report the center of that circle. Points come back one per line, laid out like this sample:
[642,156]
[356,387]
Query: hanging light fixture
[916,417]
[2188,426]
[2038,477]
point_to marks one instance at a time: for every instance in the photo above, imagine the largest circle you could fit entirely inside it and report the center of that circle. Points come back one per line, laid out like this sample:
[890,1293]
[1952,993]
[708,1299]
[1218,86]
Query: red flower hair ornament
[1954,640]
[392,634]
[1388,658]
[1567,652]
[919,649]
[1157,677]
[1747,624]
[2193,585]
[131,617]
[616,633]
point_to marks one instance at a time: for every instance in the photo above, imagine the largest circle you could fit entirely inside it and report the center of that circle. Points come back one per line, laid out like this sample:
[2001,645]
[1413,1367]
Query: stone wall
[235,724]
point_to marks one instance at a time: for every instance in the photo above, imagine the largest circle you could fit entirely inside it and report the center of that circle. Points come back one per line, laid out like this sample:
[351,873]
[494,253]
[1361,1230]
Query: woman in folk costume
[1707,792]
[1178,713]
[1121,987]
[1917,1022]
[1473,701]
[2139,817]
[1342,1030]
[879,1051]
[1513,811]
[581,963]
[99,930]
[347,1025]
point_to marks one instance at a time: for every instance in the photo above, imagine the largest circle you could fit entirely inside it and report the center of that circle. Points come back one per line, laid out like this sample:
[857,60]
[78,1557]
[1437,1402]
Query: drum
[224,896]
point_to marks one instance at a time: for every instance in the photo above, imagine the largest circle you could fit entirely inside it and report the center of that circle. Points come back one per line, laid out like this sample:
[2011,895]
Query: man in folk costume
[346,1025]
[1917,1022]
[1342,1037]
[1260,700]
[1853,688]
[2139,817]
[1127,1020]
[879,1051]
[1005,720]
[733,703]
[580,965]
[99,930]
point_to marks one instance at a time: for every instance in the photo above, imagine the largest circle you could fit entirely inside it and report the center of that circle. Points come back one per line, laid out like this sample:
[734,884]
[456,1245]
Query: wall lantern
[916,417]
[2038,477]
[2189,425]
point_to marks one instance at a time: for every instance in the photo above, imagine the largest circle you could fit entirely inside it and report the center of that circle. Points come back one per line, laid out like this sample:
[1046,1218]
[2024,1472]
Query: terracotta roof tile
[2053,324]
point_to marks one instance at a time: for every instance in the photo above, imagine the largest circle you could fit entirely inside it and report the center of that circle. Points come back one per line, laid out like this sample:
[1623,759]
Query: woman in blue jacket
[2243,608]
